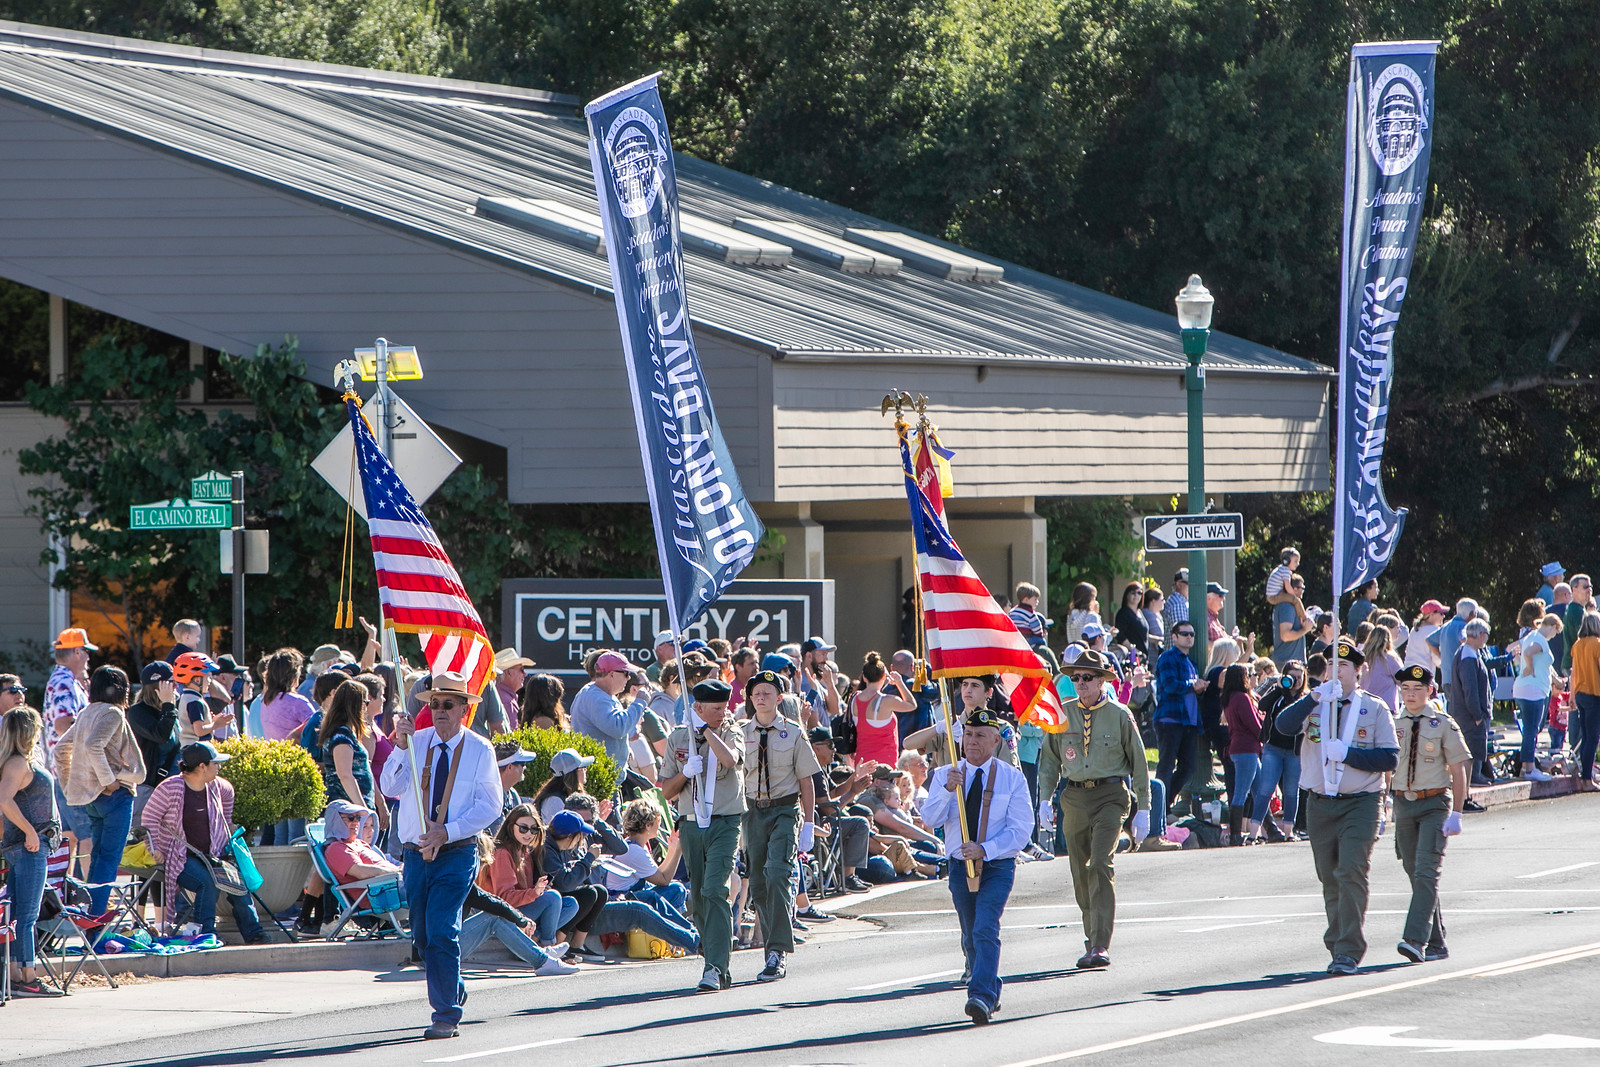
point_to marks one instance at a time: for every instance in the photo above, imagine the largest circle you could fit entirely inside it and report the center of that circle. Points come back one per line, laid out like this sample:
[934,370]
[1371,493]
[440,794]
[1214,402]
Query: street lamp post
[1194,320]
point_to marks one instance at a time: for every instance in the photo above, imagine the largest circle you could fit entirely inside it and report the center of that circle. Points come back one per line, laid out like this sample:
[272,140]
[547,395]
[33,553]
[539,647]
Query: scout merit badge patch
[1070,753]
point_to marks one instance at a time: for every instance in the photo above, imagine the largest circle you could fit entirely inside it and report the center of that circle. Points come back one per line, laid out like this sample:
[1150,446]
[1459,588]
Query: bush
[272,781]
[603,774]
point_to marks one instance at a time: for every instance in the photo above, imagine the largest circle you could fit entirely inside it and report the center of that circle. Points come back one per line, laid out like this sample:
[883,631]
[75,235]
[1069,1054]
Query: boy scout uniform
[1091,758]
[777,759]
[708,851]
[1430,744]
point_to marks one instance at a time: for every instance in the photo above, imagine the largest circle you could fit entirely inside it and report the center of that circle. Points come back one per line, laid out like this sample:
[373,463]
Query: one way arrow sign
[1182,533]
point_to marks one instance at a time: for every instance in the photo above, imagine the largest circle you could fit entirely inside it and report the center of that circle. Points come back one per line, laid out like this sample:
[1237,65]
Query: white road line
[1560,870]
[1230,926]
[913,980]
[1539,963]
[1305,1005]
[503,1051]
[1446,893]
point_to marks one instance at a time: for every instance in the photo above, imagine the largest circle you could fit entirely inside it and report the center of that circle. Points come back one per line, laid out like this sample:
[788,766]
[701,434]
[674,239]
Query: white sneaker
[556,951]
[1534,774]
[555,966]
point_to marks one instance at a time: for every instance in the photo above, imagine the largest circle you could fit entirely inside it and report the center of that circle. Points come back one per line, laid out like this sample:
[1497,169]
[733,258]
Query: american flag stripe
[418,588]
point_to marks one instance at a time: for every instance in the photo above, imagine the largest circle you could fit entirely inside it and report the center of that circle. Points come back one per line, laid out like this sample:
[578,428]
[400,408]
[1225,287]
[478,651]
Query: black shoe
[1473,806]
[774,969]
[259,939]
[978,1012]
[852,884]
[812,915]
[1099,958]
[461,998]
[1433,953]
[1412,951]
[1342,965]
[439,1033]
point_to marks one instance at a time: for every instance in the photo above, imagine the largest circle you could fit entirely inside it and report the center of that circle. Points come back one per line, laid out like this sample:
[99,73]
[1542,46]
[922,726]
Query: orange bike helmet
[191,666]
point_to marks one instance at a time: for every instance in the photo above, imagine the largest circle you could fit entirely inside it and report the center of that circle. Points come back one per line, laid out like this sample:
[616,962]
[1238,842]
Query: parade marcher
[1429,788]
[1093,760]
[1000,824]
[708,850]
[781,798]
[1343,827]
[460,785]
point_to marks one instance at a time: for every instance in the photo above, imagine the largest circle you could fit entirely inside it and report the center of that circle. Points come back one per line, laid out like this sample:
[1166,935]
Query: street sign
[421,458]
[256,544]
[1183,533]
[212,485]
[180,515]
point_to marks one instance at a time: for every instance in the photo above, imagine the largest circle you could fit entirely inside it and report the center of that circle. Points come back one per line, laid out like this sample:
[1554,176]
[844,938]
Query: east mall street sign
[1183,533]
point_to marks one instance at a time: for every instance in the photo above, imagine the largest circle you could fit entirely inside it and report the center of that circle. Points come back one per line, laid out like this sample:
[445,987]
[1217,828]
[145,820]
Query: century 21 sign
[556,622]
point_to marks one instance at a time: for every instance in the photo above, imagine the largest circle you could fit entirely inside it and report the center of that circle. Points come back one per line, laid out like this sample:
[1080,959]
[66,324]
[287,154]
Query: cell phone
[238,687]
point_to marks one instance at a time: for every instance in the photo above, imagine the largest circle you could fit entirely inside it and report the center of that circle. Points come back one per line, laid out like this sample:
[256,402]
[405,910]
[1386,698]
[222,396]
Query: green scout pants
[770,838]
[1343,830]
[708,852]
[1091,820]
[1419,842]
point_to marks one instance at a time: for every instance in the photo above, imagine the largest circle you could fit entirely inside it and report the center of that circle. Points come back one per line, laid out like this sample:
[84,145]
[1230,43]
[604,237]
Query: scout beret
[772,678]
[712,691]
[1414,673]
[1349,651]
[985,717]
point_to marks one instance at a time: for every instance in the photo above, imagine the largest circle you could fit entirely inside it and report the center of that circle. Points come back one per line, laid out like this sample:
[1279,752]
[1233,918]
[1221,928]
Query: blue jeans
[435,892]
[550,912]
[25,881]
[620,916]
[1175,746]
[109,819]
[1280,769]
[283,833]
[672,899]
[1588,712]
[980,923]
[1158,808]
[482,926]
[197,880]
[73,819]
[1530,713]
[1245,766]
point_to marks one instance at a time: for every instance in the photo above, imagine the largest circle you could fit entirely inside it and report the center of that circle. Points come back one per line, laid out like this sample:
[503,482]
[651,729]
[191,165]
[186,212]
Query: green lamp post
[1194,320]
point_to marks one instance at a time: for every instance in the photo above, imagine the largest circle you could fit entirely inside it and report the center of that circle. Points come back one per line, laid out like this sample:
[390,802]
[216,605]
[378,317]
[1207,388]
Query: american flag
[418,588]
[967,633]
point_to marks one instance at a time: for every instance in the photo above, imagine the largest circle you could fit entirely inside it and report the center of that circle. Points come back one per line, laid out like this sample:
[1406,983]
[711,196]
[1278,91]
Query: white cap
[663,638]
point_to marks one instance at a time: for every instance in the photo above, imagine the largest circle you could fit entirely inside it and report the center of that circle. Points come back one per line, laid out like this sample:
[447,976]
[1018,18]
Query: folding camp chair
[376,898]
[57,934]
[8,934]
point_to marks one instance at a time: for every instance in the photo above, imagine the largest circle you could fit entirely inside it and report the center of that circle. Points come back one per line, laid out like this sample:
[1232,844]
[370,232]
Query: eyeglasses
[349,818]
[443,705]
[1081,678]
[20,690]
[526,828]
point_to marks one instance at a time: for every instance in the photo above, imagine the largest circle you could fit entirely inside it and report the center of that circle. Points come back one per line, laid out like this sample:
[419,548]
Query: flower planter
[283,872]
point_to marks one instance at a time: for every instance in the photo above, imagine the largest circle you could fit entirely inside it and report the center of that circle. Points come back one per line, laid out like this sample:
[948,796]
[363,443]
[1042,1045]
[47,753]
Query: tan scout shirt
[728,796]
[1430,744]
[789,759]
[1114,750]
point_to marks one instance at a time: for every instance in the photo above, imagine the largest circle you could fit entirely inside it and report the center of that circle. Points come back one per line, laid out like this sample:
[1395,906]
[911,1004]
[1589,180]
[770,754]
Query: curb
[1491,796]
[379,956]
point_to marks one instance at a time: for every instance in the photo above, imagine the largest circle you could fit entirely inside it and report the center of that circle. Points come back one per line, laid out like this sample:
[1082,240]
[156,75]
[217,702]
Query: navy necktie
[441,777]
[974,803]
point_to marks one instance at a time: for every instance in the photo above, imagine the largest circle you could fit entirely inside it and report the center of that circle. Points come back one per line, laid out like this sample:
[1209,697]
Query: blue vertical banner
[1388,137]
[706,531]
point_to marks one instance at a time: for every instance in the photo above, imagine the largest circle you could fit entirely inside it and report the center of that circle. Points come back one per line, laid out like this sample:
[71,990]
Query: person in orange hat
[66,693]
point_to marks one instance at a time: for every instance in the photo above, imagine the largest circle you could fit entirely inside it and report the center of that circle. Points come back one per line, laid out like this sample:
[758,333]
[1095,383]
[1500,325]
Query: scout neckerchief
[763,771]
[449,781]
[1411,765]
[1088,716]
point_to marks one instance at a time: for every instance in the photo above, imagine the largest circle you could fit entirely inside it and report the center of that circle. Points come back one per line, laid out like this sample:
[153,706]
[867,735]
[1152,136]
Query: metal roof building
[230,199]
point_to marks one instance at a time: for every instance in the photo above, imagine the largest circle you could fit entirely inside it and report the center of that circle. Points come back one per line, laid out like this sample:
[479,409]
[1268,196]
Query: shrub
[272,781]
[603,774]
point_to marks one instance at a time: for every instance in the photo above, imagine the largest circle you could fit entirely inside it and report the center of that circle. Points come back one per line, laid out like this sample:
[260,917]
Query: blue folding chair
[377,898]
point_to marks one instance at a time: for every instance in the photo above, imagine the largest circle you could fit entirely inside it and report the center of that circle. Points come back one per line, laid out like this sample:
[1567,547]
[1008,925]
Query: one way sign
[1181,533]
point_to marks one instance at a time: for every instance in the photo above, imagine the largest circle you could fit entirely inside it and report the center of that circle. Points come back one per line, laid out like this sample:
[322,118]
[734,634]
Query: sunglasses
[349,818]
[1183,633]
[1077,678]
[526,828]
[20,690]
[443,705]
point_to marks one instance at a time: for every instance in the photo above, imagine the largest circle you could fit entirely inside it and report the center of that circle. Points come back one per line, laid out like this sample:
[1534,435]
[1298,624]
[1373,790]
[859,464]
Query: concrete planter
[283,871]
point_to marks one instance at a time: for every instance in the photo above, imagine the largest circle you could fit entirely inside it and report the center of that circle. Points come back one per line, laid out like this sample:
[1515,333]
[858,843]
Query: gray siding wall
[1046,430]
[24,582]
[511,359]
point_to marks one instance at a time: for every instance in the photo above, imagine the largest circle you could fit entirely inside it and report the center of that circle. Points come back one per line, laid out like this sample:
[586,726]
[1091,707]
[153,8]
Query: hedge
[603,774]
[272,781]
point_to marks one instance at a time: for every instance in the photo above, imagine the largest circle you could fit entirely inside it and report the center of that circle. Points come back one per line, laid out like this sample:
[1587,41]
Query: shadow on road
[278,1052]
[1270,981]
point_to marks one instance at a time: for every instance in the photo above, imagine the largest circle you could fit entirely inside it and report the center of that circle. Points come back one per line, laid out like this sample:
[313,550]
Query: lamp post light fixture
[1194,320]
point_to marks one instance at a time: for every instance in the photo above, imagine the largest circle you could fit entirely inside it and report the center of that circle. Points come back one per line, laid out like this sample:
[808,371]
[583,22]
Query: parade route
[1227,975]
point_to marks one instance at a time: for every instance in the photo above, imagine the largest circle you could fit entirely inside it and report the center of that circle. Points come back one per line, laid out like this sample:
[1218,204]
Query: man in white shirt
[1000,817]
[460,785]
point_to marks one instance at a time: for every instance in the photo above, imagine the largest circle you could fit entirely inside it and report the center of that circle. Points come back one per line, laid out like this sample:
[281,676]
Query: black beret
[772,678]
[1414,673]
[712,691]
[1349,651]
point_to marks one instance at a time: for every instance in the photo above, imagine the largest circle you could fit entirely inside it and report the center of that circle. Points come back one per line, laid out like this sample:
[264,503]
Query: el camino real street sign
[1183,533]
[180,515]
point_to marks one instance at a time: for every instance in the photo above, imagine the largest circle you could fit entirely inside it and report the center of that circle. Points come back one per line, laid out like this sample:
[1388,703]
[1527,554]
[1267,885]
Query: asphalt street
[1217,954]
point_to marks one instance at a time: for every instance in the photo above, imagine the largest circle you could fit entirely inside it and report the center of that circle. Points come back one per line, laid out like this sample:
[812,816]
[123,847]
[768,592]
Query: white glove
[1334,749]
[1452,824]
[938,725]
[1141,826]
[808,836]
[1330,691]
[693,766]
[1047,812]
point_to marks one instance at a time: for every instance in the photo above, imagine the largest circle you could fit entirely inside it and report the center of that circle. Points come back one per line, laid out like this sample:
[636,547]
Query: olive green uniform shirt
[1438,745]
[1113,749]
[728,795]
[789,759]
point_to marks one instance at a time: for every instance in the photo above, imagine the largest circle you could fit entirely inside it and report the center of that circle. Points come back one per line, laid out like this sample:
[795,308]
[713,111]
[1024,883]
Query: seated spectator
[190,819]
[569,865]
[639,873]
[488,917]
[349,829]
[599,812]
[915,765]
[568,771]
[513,760]
[835,827]
[516,873]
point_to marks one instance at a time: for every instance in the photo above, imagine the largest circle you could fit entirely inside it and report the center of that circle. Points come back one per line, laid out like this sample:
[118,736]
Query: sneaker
[440,1033]
[1434,953]
[555,966]
[852,884]
[1159,844]
[1534,774]
[799,940]
[1086,960]
[35,988]
[1099,958]
[710,982]
[585,954]
[1342,965]
[978,1012]
[774,969]
[1038,853]
[1472,807]
[1412,951]
[812,915]
[556,951]
[798,925]
[966,976]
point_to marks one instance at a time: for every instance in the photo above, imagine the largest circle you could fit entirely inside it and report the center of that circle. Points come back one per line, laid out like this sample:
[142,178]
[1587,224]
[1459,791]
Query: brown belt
[1423,794]
[792,800]
[1090,783]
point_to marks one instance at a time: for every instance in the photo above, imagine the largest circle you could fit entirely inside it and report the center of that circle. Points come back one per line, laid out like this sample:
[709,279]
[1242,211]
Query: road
[1217,954]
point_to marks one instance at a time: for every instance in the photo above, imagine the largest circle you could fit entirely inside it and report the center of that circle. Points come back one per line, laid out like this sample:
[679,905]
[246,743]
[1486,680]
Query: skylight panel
[928,257]
[731,245]
[548,217]
[823,247]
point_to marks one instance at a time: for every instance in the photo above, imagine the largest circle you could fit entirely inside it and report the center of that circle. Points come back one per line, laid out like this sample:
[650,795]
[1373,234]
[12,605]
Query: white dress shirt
[1010,826]
[474,801]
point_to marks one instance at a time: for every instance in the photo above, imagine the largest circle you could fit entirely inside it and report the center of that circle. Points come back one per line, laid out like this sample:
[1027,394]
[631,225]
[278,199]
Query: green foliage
[601,779]
[1088,539]
[272,781]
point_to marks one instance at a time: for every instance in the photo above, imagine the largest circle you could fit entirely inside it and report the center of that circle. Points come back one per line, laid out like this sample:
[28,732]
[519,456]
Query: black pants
[590,898]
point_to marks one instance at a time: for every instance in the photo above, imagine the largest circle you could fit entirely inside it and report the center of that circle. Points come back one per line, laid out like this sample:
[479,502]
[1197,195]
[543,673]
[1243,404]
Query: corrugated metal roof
[418,153]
